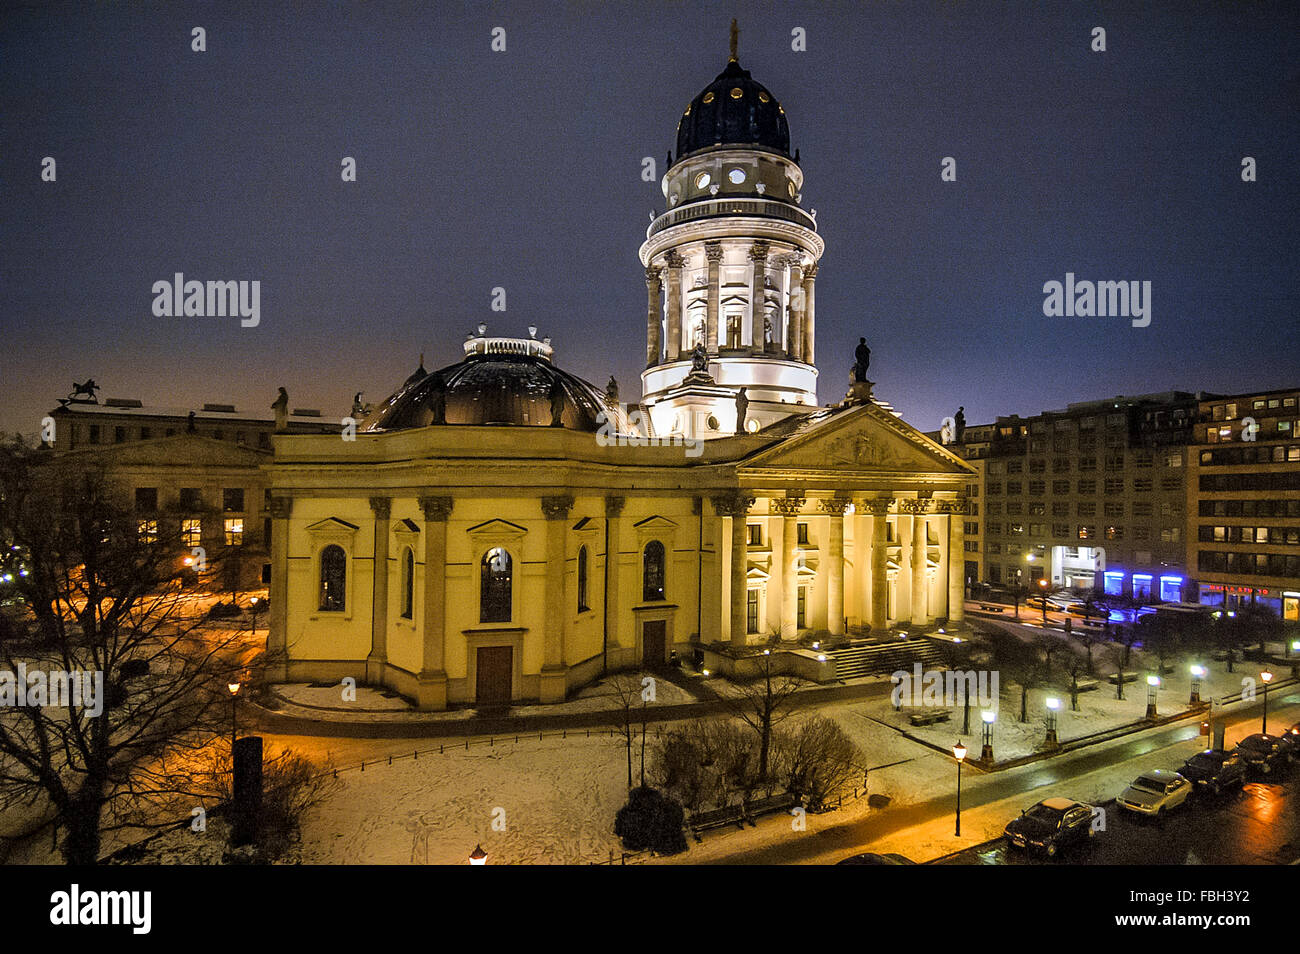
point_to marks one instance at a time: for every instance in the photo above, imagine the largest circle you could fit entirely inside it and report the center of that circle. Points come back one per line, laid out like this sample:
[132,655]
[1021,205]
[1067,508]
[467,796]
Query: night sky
[522,169]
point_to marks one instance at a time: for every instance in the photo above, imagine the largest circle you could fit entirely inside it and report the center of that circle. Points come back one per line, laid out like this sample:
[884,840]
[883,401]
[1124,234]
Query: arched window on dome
[408,583]
[652,576]
[333,579]
[495,587]
[582,580]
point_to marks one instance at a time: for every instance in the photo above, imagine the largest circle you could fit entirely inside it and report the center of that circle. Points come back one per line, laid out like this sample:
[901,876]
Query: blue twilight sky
[522,169]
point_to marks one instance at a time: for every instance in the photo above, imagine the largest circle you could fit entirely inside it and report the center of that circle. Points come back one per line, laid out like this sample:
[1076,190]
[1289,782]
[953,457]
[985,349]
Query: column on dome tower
[713,252]
[673,349]
[796,309]
[809,337]
[758,294]
[654,315]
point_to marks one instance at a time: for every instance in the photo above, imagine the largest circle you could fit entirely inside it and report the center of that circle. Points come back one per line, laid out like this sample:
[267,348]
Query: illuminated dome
[501,381]
[733,110]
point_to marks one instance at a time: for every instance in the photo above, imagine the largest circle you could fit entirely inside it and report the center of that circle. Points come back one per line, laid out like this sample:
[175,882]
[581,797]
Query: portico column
[917,509]
[654,315]
[879,563]
[673,350]
[431,683]
[796,310]
[377,661]
[835,582]
[613,524]
[788,507]
[758,294]
[809,273]
[277,624]
[713,252]
[957,563]
[556,615]
[735,507]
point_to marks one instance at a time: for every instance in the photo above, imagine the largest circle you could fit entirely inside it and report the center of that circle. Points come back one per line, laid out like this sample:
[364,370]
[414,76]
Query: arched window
[582,580]
[408,583]
[494,592]
[333,578]
[652,579]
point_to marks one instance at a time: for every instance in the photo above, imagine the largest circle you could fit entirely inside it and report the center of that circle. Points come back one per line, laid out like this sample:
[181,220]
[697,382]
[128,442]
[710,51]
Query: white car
[1155,792]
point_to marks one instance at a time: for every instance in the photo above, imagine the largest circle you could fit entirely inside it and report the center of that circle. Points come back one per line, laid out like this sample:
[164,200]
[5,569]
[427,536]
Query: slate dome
[733,110]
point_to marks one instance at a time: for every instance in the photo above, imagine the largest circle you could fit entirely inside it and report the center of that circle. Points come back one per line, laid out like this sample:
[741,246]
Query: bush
[651,820]
[224,611]
[816,760]
[291,784]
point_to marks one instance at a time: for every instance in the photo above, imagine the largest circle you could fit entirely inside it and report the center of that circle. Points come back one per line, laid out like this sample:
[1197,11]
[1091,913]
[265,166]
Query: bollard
[246,792]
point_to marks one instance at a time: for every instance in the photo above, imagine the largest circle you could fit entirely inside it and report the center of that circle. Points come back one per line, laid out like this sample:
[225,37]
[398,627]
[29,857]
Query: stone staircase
[884,658]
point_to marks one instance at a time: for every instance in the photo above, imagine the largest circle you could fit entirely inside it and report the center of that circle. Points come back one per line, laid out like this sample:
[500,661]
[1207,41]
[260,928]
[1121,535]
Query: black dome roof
[733,109]
[493,388]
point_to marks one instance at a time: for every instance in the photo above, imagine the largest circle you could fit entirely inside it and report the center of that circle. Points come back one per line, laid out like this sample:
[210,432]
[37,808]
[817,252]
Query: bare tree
[628,695]
[762,704]
[103,602]
[816,759]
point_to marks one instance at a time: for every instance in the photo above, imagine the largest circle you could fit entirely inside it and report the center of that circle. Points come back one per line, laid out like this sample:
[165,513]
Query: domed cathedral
[499,531]
[731,268]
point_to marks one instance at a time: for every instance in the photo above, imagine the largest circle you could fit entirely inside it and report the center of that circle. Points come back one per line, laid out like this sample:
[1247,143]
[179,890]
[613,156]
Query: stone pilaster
[788,507]
[377,661]
[713,252]
[277,623]
[918,508]
[673,347]
[553,677]
[835,507]
[654,315]
[735,506]
[879,612]
[956,544]
[758,294]
[431,682]
[614,526]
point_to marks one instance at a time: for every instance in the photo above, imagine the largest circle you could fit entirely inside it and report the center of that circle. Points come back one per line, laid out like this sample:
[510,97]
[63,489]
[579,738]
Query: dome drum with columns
[731,266]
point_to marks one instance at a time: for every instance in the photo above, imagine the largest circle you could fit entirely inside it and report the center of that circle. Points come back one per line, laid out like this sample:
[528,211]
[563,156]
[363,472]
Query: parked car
[1051,825]
[1290,740]
[1214,771]
[1155,792]
[870,858]
[1261,752]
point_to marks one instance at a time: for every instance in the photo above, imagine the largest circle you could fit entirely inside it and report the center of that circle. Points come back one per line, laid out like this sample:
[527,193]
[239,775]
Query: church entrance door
[654,643]
[494,675]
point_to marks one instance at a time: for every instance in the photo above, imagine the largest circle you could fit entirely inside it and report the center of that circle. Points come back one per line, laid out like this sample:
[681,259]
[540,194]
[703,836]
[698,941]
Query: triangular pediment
[863,439]
[179,450]
[497,526]
[655,523]
[332,525]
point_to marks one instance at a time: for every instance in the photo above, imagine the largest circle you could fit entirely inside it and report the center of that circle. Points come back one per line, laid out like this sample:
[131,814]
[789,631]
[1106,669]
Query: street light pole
[959,752]
[1266,677]
[233,688]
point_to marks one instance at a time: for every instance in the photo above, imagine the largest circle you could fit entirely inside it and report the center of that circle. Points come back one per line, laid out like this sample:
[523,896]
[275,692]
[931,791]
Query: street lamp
[1198,673]
[1016,594]
[1042,592]
[478,856]
[986,753]
[233,688]
[959,753]
[1265,677]
[254,605]
[1053,706]
[1153,684]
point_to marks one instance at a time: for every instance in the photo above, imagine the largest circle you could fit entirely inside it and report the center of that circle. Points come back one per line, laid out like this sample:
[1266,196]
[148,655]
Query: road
[1258,826]
[1005,793]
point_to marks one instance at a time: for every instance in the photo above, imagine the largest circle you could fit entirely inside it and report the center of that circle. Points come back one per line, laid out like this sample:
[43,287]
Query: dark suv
[1214,771]
[1051,825]
[1261,752]
[1290,740]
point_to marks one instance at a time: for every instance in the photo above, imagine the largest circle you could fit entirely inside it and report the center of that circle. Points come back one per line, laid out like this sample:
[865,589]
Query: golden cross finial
[735,40]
